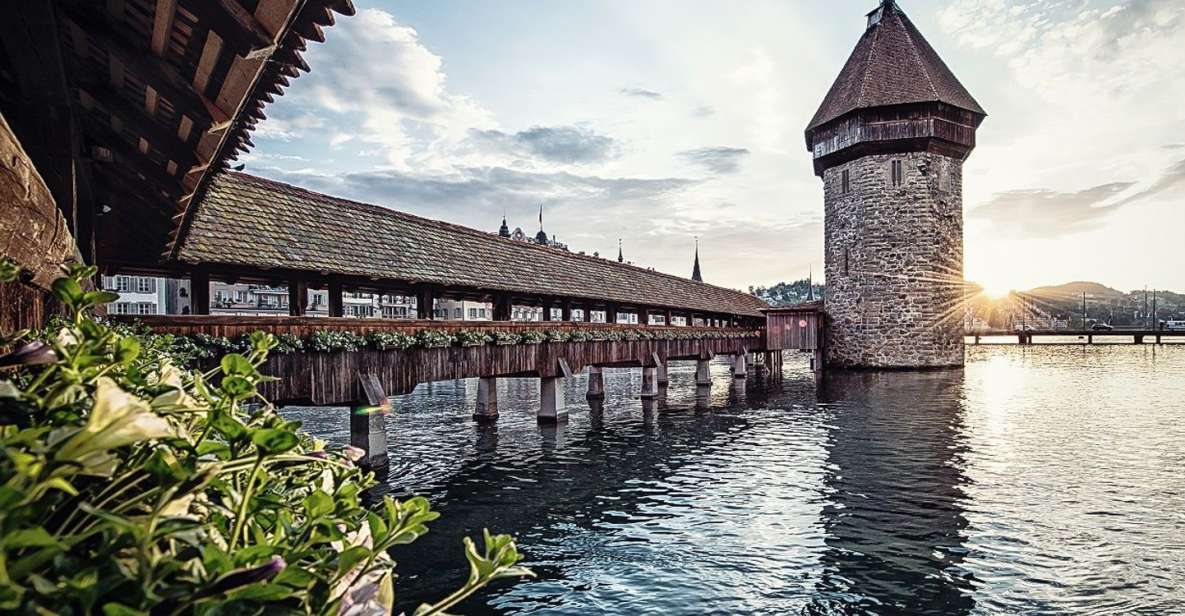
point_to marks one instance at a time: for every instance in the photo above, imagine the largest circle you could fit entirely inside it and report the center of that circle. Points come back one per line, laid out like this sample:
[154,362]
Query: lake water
[1039,480]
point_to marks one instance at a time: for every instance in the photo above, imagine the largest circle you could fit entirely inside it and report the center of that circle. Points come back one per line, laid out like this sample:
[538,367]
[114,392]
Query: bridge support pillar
[1090,339]
[661,375]
[596,383]
[739,368]
[703,373]
[368,432]
[487,398]
[551,400]
[649,383]
[1139,339]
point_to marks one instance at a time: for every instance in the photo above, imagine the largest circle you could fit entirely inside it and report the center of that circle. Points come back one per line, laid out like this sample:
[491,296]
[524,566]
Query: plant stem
[241,515]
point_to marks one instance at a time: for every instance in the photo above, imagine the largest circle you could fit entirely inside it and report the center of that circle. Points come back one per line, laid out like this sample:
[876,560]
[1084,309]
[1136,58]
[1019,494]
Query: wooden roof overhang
[252,228]
[128,107]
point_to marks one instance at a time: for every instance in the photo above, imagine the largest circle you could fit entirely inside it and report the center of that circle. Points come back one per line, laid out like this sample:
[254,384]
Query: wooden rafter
[239,28]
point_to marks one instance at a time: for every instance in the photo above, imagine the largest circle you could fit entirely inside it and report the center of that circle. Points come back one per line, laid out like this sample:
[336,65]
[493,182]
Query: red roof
[892,65]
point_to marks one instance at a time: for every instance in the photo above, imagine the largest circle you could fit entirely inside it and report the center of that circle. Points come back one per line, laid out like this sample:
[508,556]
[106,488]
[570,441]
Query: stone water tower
[889,142]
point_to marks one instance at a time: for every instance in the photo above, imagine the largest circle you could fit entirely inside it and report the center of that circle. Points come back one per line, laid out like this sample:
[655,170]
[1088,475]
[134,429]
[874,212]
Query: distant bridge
[1138,336]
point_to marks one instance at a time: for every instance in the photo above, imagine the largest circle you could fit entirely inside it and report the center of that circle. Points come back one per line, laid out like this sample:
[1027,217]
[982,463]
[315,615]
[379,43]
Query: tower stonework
[889,143]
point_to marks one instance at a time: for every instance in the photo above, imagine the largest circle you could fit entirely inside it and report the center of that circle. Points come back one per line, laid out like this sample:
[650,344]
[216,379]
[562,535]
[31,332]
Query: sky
[656,122]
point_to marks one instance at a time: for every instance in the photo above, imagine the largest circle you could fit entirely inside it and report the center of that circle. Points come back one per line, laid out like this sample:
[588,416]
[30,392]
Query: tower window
[897,172]
[845,182]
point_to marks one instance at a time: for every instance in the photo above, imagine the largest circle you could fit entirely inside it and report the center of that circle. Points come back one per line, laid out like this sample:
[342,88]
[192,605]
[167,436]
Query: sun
[993,290]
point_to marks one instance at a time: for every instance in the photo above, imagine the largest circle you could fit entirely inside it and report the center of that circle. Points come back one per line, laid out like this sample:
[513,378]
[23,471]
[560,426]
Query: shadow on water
[894,518]
[574,484]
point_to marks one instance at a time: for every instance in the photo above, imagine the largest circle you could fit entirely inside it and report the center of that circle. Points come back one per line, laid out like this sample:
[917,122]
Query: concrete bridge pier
[739,368]
[663,380]
[487,399]
[596,383]
[551,400]
[368,432]
[649,383]
[703,373]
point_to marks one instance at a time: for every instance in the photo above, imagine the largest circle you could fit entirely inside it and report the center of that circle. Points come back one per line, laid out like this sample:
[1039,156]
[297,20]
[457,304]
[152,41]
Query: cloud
[703,111]
[400,105]
[560,144]
[1172,178]
[1044,213]
[642,93]
[1174,146]
[718,160]
[471,193]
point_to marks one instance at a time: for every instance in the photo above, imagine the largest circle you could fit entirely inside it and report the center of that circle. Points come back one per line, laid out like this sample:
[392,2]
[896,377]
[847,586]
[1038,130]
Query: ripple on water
[1037,480]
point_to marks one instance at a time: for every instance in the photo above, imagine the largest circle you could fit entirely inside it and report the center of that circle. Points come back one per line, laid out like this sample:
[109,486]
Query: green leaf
[378,528]
[67,290]
[230,427]
[94,298]
[236,365]
[350,557]
[35,537]
[237,387]
[264,591]
[127,350]
[271,441]
[318,504]
[119,609]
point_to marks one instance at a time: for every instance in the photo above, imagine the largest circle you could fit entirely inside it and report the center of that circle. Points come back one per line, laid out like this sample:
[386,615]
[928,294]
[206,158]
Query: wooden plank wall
[231,326]
[33,234]
[792,330]
[332,378]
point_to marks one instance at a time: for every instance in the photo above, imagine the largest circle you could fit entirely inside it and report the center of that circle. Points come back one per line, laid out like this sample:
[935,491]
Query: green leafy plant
[580,335]
[329,341]
[130,485]
[506,338]
[532,336]
[434,339]
[468,337]
[387,341]
[557,335]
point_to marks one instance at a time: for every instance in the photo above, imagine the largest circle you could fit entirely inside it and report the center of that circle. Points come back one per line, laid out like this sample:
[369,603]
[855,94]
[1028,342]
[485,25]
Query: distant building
[137,294]
[540,237]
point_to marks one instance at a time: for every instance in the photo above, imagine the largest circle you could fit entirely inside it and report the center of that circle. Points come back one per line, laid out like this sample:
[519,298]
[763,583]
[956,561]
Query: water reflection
[1038,481]
[894,517]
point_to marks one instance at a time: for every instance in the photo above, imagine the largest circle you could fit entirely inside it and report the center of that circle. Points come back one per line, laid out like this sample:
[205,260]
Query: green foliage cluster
[506,338]
[129,485]
[434,339]
[532,336]
[336,340]
[384,341]
[469,337]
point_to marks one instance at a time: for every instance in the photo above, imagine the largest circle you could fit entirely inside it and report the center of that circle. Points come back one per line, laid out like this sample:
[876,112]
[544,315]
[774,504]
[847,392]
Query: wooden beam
[336,308]
[298,298]
[425,304]
[162,26]
[159,137]
[199,292]
[139,59]
[237,27]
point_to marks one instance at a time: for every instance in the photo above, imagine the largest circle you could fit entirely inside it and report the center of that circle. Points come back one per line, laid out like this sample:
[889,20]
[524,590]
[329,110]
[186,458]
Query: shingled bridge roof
[893,64]
[247,221]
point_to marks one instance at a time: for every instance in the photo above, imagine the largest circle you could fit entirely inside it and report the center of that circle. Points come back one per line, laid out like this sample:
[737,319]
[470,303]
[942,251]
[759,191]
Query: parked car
[1101,327]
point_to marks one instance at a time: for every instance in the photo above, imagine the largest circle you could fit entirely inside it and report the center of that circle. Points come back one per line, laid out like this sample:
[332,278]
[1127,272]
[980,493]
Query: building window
[119,307]
[123,284]
[897,172]
[145,308]
[472,313]
[145,285]
[845,182]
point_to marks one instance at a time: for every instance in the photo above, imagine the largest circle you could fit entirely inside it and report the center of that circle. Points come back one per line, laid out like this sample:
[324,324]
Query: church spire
[695,275]
[504,230]
[620,257]
[541,236]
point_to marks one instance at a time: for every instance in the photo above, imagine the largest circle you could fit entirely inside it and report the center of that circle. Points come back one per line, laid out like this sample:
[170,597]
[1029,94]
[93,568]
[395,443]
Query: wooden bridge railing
[332,377]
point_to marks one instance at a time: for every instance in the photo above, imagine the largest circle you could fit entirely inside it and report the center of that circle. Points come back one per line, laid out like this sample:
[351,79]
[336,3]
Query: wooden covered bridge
[120,119]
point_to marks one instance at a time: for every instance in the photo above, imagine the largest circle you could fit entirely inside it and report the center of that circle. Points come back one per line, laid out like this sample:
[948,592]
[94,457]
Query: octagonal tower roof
[892,65]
